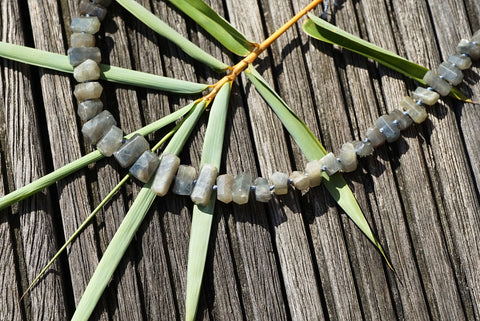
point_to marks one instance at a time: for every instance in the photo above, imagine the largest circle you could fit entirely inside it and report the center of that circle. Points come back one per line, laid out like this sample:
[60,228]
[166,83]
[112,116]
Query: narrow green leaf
[203,215]
[129,226]
[313,149]
[114,74]
[215,25]
[324,31]
[157,25]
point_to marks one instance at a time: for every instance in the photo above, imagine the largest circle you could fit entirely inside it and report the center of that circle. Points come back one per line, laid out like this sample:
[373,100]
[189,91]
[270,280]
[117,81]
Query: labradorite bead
[89,109]
[80,54]
[241,188]
[460,61]
[89,25]
[437,83]
[165,174]
[97,127]
[131,150]
[363,148]
[416,112]
[145,166]
[404,121]
[88,90]
[299,180]
[469,48]
[280,182]
[476,37]
[184,180]
[86,71]
[224,188]
[202,191]
[428,97]
[92,9]
[375,137]
[450,73]
[331,164]
[79,39]
[348,158]
[387,127]
[262,190]
[314,171]
[111,141]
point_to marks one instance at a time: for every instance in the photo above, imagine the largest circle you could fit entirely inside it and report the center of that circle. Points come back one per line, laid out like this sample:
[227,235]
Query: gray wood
[297,258]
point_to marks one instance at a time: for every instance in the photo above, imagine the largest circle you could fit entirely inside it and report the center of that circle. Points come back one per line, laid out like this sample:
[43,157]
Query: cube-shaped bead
[131,150]
[80,54]
[363,148]
[428,97]
[88,90]
[202,191]
[79,39]
[313,170]
[403,121]
[145,166]
[460,61]
[280,183]
[241,188]
[165,174]
[262,190]
[437,83]
[450,73]
[111,141]
[86,71]
[469,48]
[89,25]
[375,137]
[299,180]
[184,180]
[92,10]
[416,112]
[348,158]
[387,127]
[330,164]
[89,109]
[224,188]
[97,127]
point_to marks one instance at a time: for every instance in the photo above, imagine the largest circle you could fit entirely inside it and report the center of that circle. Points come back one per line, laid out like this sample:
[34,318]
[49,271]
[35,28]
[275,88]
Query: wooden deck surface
[299,257]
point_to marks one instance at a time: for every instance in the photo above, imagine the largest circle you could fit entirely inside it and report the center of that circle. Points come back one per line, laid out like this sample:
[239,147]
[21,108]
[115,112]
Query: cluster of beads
[100,128]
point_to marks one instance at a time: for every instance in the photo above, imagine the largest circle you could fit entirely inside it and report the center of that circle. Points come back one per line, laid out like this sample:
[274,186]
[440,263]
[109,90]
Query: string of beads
[100,127]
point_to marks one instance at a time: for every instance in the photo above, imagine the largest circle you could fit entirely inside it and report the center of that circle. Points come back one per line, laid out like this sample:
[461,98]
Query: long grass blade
[203,215]
[215,25]
[313,149]
[129,226]
[114,74]
[157,25]
[324,31]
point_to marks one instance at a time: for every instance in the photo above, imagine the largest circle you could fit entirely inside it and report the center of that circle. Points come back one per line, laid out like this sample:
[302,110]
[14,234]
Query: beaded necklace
[100,127]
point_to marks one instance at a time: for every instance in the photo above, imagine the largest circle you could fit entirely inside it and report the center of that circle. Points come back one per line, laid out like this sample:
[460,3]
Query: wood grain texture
[298,257]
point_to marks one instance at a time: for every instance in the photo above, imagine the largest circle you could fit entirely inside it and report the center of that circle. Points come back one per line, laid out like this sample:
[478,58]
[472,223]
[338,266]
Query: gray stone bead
[280,183]
[89,25]
[469,48]
[348,158]
[403,121]
[428,97]
[202,191]
[313,170]
[88,90]
[165,174]
[450,73]
[97,127]
[184,180]
[262,190]
[131,150]
[86,71]
[437,83]
[111,141]
[104,3]
[241,188]
[375,137]
[476,36]
[79,39]
[224,188]
[145,166]
[331,164]
[460,61]
[387,127]
[299,180]
[80,54]
[363,148]
[416,112]
[89,109]
[92,10]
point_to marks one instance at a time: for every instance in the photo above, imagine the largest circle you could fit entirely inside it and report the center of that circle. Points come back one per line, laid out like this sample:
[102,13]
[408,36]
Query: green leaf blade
[215,25]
